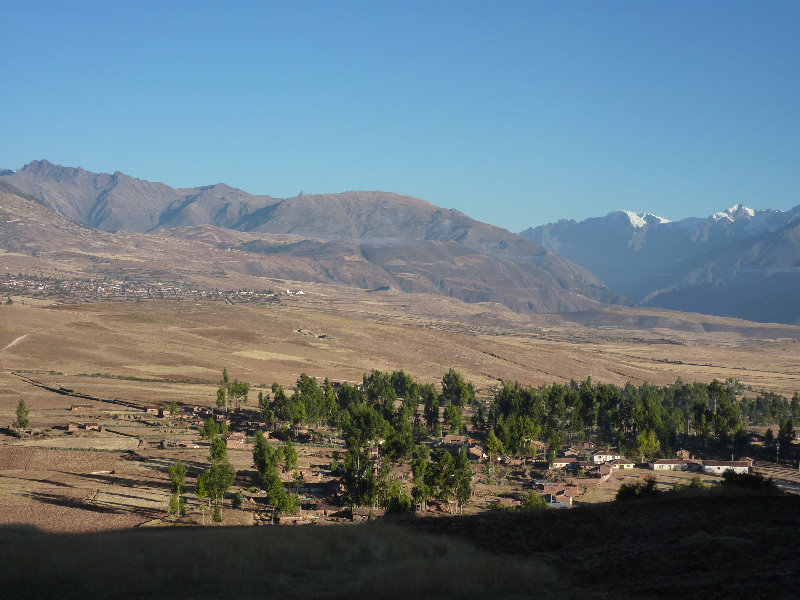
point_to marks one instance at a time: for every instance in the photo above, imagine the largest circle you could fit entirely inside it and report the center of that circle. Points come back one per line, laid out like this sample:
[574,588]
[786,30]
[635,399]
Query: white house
[669,464]
[718,467]
[602,456]
[564,461]
[622,463]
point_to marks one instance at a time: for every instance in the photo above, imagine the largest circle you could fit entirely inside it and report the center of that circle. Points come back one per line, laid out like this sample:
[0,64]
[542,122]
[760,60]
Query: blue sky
[516,113]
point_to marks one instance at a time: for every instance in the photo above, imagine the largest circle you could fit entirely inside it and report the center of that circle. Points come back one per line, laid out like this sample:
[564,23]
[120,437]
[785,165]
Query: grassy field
[151,353]
[330,337]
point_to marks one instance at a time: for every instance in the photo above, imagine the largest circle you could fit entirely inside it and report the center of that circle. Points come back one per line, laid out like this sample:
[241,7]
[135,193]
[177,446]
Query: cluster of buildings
[124,289]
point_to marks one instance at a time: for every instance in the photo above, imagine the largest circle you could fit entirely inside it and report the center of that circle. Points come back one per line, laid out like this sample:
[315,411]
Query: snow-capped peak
[643,219]
[738,211]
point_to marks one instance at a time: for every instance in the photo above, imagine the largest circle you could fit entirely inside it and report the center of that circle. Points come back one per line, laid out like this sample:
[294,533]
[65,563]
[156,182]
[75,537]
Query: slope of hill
[648,259]
[366,239]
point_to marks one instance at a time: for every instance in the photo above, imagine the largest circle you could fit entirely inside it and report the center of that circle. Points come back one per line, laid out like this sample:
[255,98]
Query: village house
[238,441]
[684,454]
[570,490]
[558,500]
[221,418]
[622,463]
[93,427]
[718,467]
[73,427]
[476,453]
[364,513]
[670,464]
[605,471]
[564,462]
[539,446]
[602,456]
[152,410]
[454,440]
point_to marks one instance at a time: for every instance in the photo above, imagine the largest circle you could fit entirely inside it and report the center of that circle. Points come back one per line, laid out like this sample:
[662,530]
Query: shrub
[237,500]
[644,489]
[533,502]
[747,481]
[697,483]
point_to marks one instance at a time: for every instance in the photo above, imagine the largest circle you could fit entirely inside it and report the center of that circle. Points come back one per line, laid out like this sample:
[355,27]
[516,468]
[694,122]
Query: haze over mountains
[365,239]
[739,262]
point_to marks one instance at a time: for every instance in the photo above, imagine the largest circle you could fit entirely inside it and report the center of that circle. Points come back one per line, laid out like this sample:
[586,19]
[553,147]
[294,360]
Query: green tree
[219,450]
[479,419]
[289,455]
[786,432]
[463,475]
[419,469]
[441,476]
[266,460]
[452,417]
[431,406]
[265,410]
[312,397]
[363,424]
[210,429]
[455,390]
[237,392]
[769,438]
[22,415]
[177,476]
[647,444]
[358,478]
[222,398]
[214,482]
[494,447]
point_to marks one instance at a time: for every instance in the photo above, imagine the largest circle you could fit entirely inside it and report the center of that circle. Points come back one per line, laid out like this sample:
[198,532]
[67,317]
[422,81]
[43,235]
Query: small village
[127,288]
[580,473]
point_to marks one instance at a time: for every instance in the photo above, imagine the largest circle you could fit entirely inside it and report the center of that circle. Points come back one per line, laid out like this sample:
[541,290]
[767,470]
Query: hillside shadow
[127,482]
[56,500]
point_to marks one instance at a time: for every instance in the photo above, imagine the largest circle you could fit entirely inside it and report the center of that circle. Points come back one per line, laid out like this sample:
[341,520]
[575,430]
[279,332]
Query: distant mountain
[756,278]
[113,202]
[654,261]
[366,239]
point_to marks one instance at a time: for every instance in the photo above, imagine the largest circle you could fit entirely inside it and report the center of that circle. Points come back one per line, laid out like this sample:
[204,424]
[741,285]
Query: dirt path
[11,345]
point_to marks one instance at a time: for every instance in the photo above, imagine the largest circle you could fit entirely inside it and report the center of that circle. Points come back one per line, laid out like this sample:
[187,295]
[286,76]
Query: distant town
[129,289]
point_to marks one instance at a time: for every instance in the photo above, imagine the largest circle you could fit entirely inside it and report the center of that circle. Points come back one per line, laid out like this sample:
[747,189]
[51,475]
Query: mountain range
[363,239]
[738,262]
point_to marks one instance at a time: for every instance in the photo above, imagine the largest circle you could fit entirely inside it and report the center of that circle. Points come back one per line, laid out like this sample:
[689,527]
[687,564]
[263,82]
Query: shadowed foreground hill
[709,546]
[369,561]
[712,545]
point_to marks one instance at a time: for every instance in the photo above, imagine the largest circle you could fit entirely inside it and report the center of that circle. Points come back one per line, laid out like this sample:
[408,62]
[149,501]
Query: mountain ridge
[363,239]
[687,264]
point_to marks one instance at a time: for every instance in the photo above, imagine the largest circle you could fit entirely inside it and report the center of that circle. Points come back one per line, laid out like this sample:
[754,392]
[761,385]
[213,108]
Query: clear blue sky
[516,113]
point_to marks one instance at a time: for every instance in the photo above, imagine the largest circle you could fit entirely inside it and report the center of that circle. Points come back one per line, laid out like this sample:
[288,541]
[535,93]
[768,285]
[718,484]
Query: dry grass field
[150,353]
